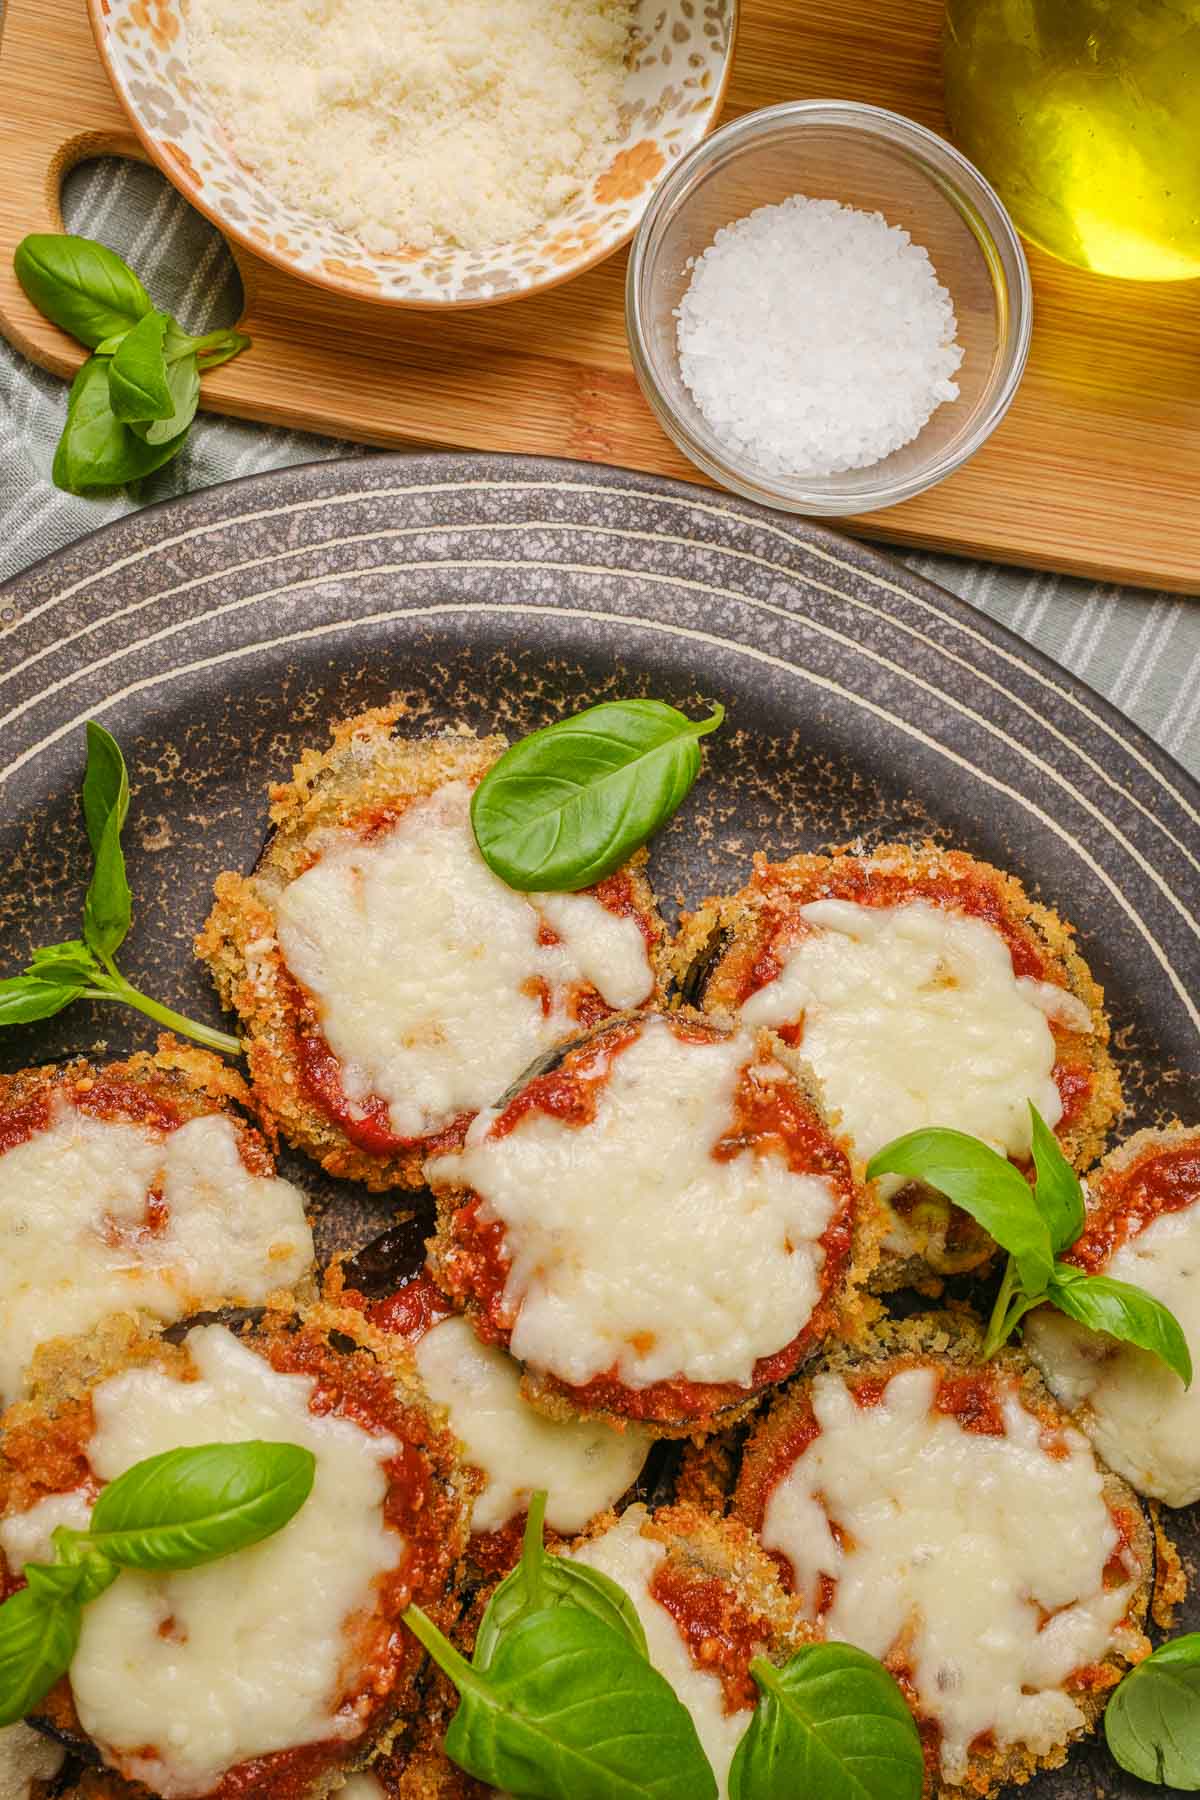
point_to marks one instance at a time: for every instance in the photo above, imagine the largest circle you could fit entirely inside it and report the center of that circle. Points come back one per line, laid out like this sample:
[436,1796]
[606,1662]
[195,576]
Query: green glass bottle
[1085,116]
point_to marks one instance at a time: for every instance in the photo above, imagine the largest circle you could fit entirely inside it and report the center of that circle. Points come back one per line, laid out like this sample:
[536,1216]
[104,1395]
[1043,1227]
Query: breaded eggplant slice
[945,1515]
[388,984]
[276,1669]
[135,1187]
[924,988]
[658,1227]
[1143,1227]
[709,1601]
[586,1466]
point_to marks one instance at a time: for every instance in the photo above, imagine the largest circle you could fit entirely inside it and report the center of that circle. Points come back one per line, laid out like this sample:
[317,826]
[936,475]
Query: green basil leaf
[96,450]
[541,1581]
[188,1507]
[89,1569]
[568,1707]
[24,998]
[1123,1311]
[212,355]
[564,808]
[39,1634]
[111,345]
[214,348]
[183,387]
[984,1184]
[831,1722]
[71,950]
[80,285]
[1057,1190]
[1153,1719]
[109,904]
[66,964]
[137,374]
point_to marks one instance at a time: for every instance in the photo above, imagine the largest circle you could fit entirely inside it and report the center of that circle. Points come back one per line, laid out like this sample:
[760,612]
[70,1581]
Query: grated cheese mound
[410,123]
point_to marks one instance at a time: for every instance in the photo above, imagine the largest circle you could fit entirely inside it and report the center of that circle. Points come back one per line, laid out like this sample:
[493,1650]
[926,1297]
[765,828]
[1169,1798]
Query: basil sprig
[832,1722]
[83,968]
[132,403]
[566,806]
[1034,1224]
[1152,1722]
[559,1701]
[540,1581]
[175,1511]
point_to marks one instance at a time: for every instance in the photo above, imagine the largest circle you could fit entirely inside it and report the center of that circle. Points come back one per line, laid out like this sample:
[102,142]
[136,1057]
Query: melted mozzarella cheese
[426,969]
[72,1199]
[363,1786]
[1137,1412]
[179,1677]
[912,1016]
[606,948]
[29,1536]
[956,1546]
[630,1559]
[631,1246]
[583,1466]
[25,1757]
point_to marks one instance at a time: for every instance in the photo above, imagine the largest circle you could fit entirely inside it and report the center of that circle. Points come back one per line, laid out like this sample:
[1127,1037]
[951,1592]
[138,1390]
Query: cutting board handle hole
[125,202]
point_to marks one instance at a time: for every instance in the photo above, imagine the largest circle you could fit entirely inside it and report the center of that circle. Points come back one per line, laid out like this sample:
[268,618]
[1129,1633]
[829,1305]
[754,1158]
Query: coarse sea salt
[815,338]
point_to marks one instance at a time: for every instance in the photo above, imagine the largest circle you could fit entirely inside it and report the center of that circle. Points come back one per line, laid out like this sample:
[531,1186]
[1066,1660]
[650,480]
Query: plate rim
[460,467]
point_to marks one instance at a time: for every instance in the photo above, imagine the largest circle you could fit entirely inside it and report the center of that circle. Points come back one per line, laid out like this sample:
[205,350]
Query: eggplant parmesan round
[134,1187]
[275,1669]
[658,1227]
[1143,1227]
[709,1600]
[585,1465]
[944,1515]
[388,984]
[923,988]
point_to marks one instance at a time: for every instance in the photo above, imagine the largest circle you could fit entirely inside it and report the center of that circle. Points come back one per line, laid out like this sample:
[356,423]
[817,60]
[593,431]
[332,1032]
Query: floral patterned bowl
[673,90]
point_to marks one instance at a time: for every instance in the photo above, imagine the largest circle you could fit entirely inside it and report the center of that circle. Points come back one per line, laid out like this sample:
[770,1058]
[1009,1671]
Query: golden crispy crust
[1108,1185]
[844,1311]
[355,1365]
[941,1340]
[187,1080]
[1170,1576]
[703,1549]
[366,770]
[720,943]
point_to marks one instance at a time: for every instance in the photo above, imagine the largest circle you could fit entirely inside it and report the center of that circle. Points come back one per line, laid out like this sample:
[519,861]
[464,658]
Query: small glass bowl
[876,161]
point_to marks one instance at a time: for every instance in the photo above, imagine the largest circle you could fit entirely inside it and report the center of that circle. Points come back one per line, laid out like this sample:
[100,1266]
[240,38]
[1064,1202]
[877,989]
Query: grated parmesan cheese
[409,125]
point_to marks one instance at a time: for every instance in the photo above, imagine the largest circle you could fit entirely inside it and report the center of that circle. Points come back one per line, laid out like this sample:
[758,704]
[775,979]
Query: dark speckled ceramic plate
[217,635]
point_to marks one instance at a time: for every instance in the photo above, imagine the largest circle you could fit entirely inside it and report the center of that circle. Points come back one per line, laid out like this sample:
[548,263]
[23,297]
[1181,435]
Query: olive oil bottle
[1085,116]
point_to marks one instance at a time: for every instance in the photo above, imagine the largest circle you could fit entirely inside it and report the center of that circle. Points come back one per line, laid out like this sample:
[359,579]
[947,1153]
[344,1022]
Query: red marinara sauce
[720,1630]
[1165,1178]
[769,1118]
[412,1310]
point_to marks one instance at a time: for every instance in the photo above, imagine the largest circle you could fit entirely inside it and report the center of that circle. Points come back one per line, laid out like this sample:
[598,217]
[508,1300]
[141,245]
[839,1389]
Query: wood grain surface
[1096,470]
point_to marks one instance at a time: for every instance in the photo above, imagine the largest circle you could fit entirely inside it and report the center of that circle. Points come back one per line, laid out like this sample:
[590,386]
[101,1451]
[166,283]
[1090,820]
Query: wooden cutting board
[1095,471]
